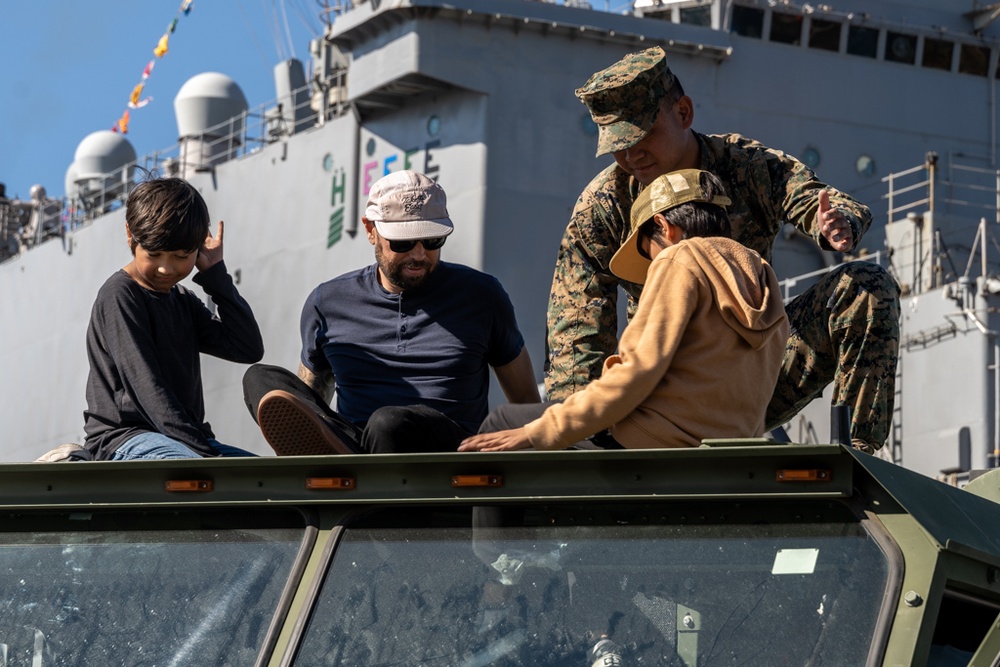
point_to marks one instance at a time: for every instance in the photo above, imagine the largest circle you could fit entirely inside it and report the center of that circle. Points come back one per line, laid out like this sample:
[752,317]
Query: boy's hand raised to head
[210,252]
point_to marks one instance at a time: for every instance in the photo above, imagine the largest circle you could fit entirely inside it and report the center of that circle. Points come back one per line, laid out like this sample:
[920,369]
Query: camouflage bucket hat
[666,192]
[624,98]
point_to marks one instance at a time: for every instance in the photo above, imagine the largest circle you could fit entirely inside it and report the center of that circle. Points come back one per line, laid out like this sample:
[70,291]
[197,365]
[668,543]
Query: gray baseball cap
[408,206]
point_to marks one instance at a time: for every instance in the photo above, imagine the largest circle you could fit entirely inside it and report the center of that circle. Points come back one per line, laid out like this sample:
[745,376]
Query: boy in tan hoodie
[701,356]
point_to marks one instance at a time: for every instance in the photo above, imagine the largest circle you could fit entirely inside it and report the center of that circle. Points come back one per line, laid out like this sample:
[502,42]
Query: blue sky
[69,67]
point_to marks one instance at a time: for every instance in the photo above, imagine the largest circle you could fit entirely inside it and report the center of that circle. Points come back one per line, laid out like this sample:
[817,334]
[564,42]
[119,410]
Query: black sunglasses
[406,246]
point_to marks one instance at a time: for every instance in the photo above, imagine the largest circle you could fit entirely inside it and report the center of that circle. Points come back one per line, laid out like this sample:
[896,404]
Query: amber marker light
[476,480]
[330,483]
[189,485]
[804,475]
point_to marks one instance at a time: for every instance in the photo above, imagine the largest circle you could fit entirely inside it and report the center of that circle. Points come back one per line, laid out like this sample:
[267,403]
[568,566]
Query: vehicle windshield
[97,595]
[485,589]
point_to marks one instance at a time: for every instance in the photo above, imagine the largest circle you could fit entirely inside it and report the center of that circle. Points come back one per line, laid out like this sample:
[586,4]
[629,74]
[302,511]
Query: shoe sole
[60,453]
[292,428]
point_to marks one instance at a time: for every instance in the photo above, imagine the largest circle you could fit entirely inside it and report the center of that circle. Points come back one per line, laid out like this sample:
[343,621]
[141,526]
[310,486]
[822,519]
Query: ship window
[900,48]
[660,16]
[824,35]
[786,28]
[974,60]
[937,53]
[748,21]
[696,15]
[862,41]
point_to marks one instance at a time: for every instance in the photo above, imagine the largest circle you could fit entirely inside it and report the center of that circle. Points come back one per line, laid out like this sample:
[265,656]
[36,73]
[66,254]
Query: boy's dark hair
[696,218]
[166,214]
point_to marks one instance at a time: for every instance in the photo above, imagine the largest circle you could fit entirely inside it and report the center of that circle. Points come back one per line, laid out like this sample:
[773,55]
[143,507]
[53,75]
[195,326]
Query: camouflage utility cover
[624,98]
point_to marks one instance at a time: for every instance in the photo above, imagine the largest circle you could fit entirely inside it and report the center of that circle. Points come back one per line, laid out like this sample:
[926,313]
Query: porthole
[433,126]
[865,166]
[811,157]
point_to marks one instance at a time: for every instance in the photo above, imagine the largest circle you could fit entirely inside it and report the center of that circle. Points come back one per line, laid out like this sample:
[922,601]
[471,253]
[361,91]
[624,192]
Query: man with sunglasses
[845,329]
[407,343]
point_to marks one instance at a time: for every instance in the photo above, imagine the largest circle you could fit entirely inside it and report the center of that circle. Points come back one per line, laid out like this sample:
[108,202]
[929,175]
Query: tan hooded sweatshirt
[699,359]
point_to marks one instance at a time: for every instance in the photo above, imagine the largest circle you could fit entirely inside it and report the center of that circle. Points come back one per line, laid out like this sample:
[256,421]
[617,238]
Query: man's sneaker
[65,452]
[293,428]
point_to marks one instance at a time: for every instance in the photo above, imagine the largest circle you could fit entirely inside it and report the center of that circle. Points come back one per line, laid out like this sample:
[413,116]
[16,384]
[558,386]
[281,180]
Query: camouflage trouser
[845,329]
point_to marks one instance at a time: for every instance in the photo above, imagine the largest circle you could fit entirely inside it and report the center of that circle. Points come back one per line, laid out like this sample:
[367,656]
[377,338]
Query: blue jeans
[149,445]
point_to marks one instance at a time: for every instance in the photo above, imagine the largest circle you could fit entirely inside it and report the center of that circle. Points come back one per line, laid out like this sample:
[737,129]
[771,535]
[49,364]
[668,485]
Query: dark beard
[393,270]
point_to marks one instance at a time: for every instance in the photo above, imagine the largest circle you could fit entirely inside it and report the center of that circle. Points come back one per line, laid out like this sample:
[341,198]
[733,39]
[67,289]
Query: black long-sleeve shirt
[145,370]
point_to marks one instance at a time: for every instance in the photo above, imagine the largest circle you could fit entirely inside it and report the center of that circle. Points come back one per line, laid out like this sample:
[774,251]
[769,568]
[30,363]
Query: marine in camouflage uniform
[845,329]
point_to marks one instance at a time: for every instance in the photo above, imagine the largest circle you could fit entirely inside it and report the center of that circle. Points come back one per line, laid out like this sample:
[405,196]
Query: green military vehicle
[738,553]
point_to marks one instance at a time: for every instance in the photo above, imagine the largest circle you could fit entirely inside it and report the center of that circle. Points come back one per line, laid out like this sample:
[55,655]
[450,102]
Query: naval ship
[892,101]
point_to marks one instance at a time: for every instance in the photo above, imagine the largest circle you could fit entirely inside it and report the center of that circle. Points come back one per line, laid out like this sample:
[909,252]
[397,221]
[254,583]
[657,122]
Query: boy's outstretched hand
[496,442]
[210,252]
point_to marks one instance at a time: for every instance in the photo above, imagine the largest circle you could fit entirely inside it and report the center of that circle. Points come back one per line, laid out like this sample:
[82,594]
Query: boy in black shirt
[144,392]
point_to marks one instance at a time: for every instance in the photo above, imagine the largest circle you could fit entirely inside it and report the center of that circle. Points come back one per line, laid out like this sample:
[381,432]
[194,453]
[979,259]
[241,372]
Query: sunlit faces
[669,146]
[656,235]
[428,244]
[406,270]
[161,270]
[653,238]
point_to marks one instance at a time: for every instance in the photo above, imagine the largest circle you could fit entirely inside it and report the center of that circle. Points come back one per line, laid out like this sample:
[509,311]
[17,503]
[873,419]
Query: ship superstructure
[479,95]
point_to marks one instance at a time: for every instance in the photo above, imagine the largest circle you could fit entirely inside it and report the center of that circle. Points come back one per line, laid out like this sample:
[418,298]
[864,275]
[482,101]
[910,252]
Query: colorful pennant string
[135,100]
[122,123]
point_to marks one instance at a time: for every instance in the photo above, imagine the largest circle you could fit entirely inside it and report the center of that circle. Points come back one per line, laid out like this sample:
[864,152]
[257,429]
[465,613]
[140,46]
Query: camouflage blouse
[767,187]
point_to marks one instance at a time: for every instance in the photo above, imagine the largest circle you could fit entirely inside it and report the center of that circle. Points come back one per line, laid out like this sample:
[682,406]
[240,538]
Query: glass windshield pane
[508,595]
[141,597]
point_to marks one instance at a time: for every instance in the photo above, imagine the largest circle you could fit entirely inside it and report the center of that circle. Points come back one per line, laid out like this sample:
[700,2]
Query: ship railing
[968,190]
[25,224]
[791,287]
[934,211]
[914,195]
[309,106]
[963,188]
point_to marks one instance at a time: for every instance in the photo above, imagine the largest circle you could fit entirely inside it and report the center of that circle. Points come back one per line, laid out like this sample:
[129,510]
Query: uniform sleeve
[231,334]
[769,188]
[797,188]
[582,317]
[646,350]
[122,330]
